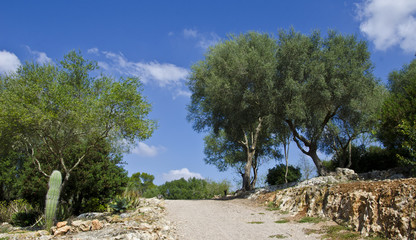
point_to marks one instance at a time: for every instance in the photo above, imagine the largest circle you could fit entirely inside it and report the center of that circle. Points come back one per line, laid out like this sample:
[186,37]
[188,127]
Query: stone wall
[387,207]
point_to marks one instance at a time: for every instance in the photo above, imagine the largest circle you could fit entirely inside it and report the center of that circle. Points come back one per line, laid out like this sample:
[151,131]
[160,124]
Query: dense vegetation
[253,94]
[276,175]
[193,188]
[64,117]
[253,91]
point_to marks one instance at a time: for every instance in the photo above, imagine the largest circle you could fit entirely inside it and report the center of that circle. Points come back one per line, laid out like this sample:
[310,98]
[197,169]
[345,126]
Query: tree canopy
[324,84]
[229,91]
[65,111]
[397,128]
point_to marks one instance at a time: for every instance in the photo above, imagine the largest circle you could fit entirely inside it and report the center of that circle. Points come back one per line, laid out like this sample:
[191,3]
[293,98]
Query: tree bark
[318,163]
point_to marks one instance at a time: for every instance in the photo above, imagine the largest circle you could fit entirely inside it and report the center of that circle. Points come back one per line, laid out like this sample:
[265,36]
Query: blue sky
[159,41]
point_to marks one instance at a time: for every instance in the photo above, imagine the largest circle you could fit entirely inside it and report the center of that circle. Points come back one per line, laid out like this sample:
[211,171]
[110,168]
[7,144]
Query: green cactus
[52,198]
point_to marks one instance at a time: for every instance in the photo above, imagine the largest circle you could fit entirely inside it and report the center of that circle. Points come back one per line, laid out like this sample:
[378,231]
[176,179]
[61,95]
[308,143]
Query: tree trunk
[254,166]
[247,171]
[286,150]
[349,155]
[318,163]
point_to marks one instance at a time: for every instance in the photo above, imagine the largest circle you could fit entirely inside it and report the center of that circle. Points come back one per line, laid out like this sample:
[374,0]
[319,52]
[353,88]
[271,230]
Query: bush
[94,205]
[13,207]
[119,204]
[367,159]
[192,188]
[276,175]
[23,219]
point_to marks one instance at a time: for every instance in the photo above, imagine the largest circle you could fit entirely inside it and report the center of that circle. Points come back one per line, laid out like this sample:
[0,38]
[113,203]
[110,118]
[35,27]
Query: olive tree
[322,82]
[230,92]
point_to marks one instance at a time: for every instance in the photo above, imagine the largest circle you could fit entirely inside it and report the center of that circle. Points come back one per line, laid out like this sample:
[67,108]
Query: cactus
[52,198]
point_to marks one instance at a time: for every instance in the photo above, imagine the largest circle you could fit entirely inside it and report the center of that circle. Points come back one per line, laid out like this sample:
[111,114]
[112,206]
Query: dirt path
[231,219]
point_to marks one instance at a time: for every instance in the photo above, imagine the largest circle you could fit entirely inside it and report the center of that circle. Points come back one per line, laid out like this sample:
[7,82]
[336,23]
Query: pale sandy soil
[232,219]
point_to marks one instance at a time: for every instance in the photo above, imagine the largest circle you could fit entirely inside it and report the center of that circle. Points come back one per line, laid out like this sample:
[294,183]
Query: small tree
[276,175]
[65,111]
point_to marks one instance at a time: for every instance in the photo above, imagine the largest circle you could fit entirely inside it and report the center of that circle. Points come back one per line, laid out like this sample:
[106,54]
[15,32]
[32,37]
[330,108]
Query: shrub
[23,219]
[119,204]
[367,159]
[276,175]
[94,205]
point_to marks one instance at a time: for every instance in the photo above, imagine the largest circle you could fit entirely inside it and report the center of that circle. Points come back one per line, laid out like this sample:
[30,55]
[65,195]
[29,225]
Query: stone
[61,224]
[61,231]
[385,207]
[96,225]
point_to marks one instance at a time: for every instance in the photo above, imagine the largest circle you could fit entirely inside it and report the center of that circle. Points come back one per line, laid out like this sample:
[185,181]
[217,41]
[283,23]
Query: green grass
[282,221]
[4,238]
[261,213]
[277,236]
[256,222]
[340,232]
[271,206]
[310,220]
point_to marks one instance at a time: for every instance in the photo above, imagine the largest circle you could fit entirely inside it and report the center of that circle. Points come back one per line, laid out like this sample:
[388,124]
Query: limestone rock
[386,207]
[61,231]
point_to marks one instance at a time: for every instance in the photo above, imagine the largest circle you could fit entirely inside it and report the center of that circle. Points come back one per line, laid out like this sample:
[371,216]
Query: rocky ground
[383,205]
[147,222]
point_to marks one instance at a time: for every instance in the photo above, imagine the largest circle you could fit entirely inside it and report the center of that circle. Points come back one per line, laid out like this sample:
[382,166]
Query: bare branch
[35,160]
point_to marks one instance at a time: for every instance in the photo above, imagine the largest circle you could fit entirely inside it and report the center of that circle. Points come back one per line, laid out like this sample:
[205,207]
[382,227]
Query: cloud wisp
[204,40]
[389,23]
[9,62]
[161,74]
[144,150]
[180,173]
[40,57]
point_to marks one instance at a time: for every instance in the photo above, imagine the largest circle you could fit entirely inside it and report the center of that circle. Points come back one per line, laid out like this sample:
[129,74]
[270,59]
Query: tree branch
[35,160]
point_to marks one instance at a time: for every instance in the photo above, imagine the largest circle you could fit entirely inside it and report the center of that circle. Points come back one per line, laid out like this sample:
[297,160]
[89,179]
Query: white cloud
[163,74]
[40,57]
[93,51]
[208,41]
[190,33]
[9,62]
[183,93]
[181,173]
[388,23]
[145,150]
[204,40]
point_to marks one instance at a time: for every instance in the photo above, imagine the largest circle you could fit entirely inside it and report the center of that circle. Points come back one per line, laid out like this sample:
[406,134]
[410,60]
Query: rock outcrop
[387,207]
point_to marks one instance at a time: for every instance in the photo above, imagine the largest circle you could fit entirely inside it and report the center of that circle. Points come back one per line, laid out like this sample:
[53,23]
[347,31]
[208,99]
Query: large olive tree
[324,84]
[230,90]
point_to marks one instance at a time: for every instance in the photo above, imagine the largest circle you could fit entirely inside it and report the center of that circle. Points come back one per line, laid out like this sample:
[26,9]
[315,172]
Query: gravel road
[231,219]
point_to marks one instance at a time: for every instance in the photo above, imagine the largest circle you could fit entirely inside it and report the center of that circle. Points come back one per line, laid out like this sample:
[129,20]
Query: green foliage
[229,93]
[276,175]
[367,159]
[311,220]
[323,81]
[282,221]
[94,205]
[139,183]
[23,219]
[61,113]
[52,198]
[193,188]
[7,210]
[119,204]
[397,129]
